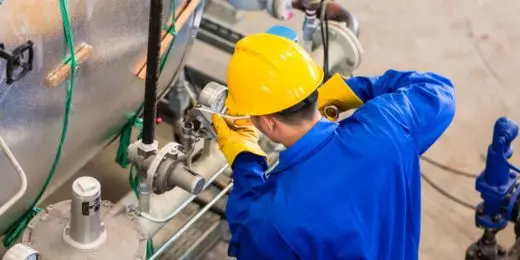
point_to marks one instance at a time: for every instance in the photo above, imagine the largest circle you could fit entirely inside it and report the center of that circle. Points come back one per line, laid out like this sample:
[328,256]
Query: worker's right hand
[335,92]
[233,142]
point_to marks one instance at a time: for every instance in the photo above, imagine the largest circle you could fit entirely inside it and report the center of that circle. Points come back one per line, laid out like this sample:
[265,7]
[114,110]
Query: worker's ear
[266,124]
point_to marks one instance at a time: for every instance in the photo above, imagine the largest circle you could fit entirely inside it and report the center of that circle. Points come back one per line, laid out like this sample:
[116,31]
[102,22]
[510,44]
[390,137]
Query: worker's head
[275,81]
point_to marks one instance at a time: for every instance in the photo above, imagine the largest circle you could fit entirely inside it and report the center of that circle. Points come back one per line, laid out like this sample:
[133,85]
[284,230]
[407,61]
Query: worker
[342,190]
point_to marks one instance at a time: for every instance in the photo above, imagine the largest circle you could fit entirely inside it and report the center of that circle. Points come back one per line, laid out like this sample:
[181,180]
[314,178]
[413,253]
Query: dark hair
[304,110]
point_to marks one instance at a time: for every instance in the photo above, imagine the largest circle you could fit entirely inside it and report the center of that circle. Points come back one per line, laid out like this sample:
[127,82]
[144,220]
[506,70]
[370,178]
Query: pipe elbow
[334,12]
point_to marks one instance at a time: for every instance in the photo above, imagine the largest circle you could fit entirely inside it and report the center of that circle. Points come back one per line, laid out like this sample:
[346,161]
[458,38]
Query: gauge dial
[213,96]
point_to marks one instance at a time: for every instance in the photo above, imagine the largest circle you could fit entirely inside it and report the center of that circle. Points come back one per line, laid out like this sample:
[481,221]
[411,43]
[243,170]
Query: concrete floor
[473,42]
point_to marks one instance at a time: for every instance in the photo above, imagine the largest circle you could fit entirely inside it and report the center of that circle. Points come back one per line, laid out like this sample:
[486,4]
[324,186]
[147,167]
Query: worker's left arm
[253,235]
[419,106]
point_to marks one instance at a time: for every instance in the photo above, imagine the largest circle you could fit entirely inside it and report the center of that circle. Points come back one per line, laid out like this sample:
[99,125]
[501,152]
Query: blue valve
[497,182]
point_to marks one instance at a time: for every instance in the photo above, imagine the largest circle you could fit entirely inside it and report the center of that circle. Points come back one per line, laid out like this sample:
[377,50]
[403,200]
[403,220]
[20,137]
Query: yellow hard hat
[269,73]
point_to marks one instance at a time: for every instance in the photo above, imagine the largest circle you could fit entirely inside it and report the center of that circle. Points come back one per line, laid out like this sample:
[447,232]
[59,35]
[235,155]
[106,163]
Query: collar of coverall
[313,140]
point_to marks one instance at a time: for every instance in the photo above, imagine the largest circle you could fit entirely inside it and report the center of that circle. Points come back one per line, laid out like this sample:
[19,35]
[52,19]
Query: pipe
[21,174]
[309,28]
[335,12]
[184,205]
[152,71]
[144,191]
[190,222]
[165,204]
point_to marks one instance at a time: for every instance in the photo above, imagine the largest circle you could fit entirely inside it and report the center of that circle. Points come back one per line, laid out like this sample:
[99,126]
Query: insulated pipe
[21,174]
[190,222]
[152,71]
[335,12]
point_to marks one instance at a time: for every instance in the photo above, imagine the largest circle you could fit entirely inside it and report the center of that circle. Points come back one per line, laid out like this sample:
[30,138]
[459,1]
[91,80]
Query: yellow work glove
[232,142]
[336,93]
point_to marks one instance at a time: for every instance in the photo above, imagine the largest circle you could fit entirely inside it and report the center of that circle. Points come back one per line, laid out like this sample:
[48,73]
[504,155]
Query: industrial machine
[72,74]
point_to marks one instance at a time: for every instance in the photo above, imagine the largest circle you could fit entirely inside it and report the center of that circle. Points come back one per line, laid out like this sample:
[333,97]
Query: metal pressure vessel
[111,41]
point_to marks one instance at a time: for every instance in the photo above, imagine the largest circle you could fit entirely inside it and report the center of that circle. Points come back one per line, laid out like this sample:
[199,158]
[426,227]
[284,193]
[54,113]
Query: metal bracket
[19,62]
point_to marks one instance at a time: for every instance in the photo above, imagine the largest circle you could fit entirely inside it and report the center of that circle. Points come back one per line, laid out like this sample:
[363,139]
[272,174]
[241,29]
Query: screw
[496,218]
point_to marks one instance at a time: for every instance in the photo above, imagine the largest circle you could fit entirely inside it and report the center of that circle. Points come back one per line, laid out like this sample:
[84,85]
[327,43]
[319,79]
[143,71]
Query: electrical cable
[324,28]
[446,194]
[12,234]
[441,190]
[448,168]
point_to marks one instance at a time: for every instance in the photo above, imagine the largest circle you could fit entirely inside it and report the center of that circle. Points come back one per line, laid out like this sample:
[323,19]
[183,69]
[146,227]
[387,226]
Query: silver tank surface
[106,89]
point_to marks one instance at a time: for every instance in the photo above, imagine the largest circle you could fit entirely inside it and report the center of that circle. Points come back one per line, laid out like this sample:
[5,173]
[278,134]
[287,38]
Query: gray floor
[473,42]
[476,44]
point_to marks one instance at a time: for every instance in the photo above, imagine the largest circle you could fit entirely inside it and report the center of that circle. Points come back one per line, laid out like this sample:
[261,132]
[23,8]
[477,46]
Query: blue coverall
[347,190]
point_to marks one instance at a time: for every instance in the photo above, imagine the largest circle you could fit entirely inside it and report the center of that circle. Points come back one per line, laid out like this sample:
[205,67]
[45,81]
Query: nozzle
[331,113]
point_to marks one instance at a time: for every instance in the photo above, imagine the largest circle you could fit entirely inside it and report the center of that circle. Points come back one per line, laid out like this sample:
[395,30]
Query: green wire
[12,234]
[126,133]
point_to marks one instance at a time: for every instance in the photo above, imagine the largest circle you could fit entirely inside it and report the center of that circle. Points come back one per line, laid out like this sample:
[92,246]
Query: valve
[19,62]
[499,191]
[497,182]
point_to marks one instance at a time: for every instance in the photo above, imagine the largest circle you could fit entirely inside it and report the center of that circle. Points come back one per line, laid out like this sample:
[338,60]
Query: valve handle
[505,131]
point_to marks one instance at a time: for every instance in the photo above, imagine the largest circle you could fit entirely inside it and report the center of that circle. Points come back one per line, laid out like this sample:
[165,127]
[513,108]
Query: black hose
[152,71]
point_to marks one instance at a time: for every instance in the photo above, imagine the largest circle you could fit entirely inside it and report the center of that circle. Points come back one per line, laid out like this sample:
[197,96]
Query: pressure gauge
[21,252]
[213,96]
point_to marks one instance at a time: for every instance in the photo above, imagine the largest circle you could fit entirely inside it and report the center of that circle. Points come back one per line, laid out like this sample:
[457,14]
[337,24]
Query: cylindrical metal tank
[106,90]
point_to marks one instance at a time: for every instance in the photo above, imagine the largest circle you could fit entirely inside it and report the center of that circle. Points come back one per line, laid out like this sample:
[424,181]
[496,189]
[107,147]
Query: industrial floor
[476,43]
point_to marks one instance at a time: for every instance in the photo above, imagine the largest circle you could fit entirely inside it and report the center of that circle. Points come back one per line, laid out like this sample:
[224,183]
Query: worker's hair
[302,111]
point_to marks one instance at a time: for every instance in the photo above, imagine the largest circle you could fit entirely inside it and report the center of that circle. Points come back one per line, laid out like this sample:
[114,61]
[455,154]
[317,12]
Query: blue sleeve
[420,105]
[252,235]
[248,174]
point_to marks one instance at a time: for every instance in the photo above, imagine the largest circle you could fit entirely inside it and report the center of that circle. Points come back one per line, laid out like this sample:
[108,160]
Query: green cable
[135,121]
[12,234]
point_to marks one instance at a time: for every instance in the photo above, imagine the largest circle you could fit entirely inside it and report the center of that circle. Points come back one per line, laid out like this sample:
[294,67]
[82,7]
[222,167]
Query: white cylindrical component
[21,252]
[85,229]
